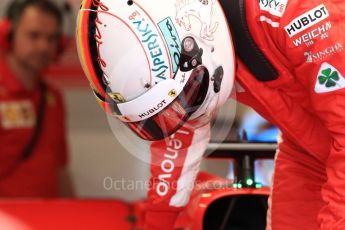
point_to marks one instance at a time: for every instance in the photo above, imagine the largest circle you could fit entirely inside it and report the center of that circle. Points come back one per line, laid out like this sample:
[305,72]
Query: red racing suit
[304,41]
[38,175]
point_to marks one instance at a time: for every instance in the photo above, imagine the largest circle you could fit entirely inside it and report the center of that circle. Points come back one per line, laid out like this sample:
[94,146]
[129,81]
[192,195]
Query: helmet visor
[169,120]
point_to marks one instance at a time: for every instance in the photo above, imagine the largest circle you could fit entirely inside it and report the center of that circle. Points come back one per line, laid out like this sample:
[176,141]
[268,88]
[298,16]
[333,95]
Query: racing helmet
[156,64]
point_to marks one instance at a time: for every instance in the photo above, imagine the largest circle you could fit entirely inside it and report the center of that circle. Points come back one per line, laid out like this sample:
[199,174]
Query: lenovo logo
[169,159]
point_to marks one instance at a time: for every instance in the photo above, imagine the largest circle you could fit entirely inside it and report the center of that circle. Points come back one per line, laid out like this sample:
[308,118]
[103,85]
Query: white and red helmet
[156,64]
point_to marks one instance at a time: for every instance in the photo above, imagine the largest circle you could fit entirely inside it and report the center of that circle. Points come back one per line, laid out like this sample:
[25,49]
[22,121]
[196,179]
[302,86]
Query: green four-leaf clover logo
[328,77]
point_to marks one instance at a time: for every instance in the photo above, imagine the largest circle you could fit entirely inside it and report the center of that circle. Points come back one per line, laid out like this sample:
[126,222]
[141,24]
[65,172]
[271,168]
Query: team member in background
[33,149]
[290,68]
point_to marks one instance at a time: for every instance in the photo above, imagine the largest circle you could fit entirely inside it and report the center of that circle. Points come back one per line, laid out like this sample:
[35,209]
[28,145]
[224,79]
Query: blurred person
[34,156]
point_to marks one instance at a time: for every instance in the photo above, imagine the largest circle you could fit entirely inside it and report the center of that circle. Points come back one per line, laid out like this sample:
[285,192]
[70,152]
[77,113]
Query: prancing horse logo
[202,10]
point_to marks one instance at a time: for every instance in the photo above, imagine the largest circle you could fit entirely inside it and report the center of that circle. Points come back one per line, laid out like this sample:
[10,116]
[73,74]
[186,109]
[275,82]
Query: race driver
[293,76]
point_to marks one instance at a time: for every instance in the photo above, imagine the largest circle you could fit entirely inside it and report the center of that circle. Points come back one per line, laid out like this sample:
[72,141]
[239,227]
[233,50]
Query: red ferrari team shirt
[38,175]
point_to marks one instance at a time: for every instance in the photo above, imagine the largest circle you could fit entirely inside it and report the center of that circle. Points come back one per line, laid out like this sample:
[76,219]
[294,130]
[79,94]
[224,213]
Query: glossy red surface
[63,214]
[209,189]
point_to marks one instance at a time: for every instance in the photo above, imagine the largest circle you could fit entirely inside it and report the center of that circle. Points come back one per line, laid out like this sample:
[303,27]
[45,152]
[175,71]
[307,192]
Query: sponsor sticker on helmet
[117,97]
[173,93]
[153,110]
[173,41]
[203,11]
[153,44]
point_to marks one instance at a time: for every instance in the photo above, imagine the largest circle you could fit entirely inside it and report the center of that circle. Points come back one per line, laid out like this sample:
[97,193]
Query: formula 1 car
[222,204]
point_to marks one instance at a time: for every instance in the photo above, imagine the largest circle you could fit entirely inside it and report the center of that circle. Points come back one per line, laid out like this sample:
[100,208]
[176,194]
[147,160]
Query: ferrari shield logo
[17,115]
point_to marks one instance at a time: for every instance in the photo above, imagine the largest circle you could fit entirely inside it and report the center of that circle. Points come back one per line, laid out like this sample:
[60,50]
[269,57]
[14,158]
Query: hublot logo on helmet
[307,20]
[156,108]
